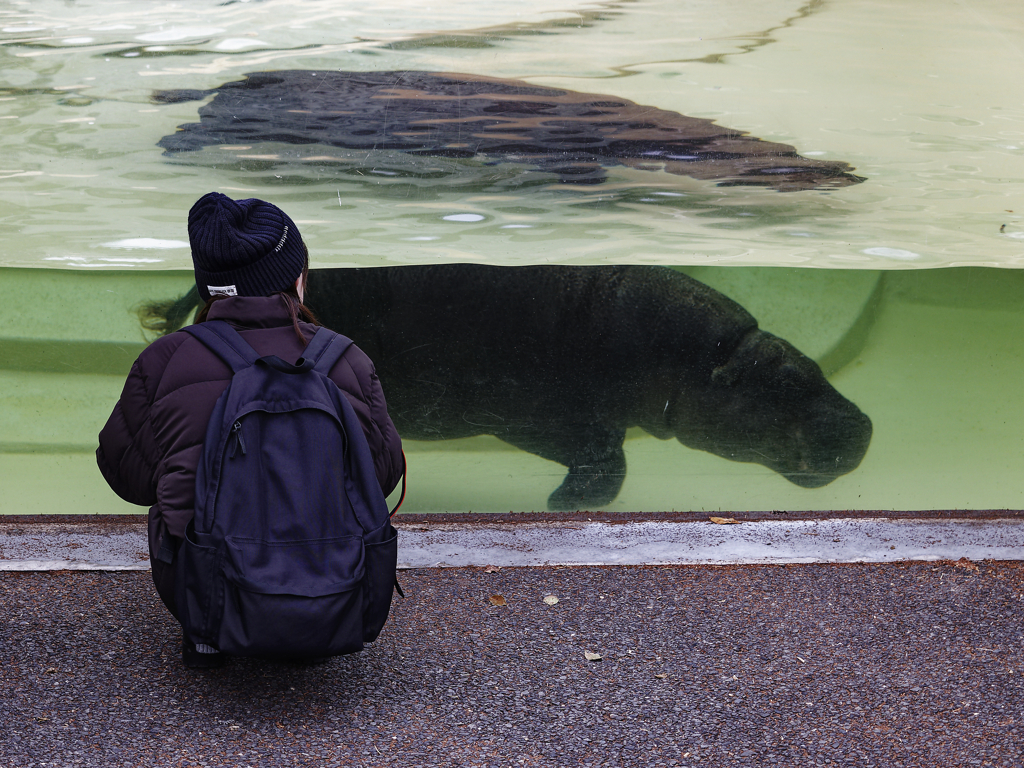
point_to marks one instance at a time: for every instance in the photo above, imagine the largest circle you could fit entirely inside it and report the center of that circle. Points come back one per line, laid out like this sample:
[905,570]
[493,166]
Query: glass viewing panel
[630,256]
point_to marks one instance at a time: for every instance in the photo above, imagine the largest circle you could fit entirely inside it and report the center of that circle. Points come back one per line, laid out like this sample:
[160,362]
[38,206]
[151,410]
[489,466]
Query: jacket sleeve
[127,454]
[356,376]
[389,461]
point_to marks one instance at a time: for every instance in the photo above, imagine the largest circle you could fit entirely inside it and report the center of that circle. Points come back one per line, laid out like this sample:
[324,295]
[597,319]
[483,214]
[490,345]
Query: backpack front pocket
[293,599]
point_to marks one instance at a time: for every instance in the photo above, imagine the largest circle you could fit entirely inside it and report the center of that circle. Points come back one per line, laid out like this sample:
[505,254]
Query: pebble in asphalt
[912,664]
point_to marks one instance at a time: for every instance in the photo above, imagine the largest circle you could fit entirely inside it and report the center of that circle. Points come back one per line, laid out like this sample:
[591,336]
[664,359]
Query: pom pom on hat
[243,247]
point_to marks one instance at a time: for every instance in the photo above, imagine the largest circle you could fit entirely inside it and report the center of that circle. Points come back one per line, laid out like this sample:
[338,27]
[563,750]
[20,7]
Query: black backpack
[291,552]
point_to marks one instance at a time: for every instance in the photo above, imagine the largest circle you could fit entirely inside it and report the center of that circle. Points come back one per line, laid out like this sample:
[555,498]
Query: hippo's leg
[592,452]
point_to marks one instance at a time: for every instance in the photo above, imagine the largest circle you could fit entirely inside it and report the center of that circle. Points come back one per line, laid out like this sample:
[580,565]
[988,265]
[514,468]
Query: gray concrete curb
[85,546]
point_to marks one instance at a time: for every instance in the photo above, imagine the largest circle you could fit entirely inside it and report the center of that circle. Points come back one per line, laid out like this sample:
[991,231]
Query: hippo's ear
[726,375]
[729,373]
[758,353]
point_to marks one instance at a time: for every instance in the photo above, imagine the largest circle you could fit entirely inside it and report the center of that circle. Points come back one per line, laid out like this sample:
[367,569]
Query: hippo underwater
[572,135]
[561,360]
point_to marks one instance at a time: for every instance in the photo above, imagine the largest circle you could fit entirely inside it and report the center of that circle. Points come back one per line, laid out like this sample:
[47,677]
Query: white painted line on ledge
[69,565]
[62,547]
[705,543]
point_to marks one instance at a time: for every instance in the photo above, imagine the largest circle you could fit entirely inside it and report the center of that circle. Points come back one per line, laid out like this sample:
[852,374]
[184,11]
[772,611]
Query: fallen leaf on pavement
[491,569]
[551,600]
[497,600]
[662,676]
[724,521]
[592,656]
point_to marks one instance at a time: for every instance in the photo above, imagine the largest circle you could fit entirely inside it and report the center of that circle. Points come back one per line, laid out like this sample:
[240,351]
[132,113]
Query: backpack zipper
[236,432]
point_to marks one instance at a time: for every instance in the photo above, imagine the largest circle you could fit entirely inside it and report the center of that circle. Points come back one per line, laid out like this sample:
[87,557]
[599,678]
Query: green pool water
[905,288]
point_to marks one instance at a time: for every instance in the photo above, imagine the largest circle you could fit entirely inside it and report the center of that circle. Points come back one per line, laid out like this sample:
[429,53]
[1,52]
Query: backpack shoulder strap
[325,349]
[223,340]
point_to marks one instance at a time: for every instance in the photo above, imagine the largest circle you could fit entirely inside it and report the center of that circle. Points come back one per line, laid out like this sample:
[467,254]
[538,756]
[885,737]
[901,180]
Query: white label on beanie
[222,290]
[280,243]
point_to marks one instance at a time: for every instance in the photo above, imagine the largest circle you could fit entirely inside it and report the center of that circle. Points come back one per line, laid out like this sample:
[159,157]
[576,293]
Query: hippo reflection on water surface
[572,135]
[560,361]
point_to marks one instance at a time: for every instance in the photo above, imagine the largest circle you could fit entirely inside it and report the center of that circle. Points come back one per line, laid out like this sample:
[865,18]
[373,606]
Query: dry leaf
[963,562]
[592,656]
[551,600]
[497,600]
[724,521]
[491,569]
[662,676]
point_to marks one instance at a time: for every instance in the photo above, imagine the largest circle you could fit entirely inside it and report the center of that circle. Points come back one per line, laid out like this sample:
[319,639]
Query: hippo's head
[770,404]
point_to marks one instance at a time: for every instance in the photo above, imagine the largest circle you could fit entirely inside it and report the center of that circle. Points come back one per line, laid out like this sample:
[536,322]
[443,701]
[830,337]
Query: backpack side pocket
[198,588]
[381,562]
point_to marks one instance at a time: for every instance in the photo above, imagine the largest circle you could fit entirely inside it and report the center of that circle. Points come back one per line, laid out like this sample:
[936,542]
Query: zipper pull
[236,431]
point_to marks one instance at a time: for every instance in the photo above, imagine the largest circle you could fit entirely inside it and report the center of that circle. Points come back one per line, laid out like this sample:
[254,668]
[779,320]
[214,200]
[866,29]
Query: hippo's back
[553,339]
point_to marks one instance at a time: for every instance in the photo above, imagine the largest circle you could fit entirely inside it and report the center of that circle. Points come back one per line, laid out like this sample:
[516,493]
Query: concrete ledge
[91,546]
[73,546]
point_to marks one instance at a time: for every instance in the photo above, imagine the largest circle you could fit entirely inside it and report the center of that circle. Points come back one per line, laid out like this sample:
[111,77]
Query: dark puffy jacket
[151,445]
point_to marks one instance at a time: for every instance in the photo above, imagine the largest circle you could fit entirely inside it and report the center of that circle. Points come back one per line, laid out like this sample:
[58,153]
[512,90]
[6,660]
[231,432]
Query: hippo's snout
[831,448]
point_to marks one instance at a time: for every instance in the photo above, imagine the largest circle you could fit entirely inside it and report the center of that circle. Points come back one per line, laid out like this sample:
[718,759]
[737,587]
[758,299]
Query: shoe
[193,659]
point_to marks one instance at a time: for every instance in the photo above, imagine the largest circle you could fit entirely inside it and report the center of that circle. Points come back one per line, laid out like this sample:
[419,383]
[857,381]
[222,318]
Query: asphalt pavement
[856,664]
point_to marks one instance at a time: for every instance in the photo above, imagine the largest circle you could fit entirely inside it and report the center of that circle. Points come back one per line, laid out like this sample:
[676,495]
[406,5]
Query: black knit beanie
[243,247]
